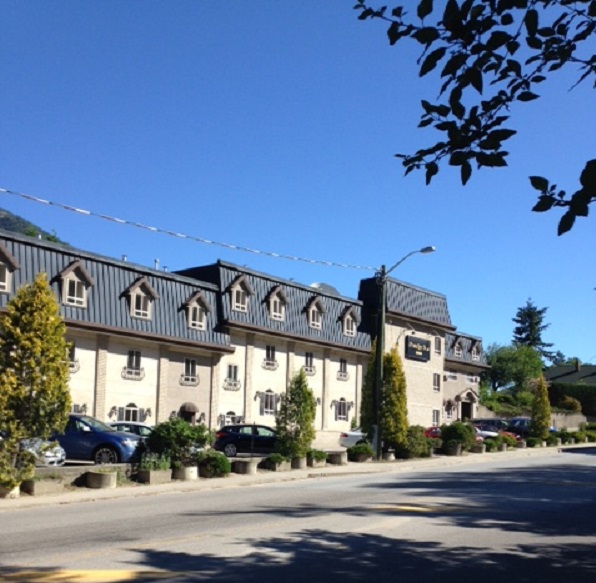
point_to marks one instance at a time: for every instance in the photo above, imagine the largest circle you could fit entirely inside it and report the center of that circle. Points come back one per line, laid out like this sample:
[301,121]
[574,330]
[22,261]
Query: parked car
[235,439]
[500,424]
[132,427]
[87,438]
[432,432]
[485,432]
[352,437]
[47,453]
[490,428]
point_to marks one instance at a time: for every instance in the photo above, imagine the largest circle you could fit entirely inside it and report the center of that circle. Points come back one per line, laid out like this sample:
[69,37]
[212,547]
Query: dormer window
[240,290]
[142,297]
[315,314]
[475,352]
[277,304]
[75,285]
[196,311]
[457,350]
[8,264]
[349,320]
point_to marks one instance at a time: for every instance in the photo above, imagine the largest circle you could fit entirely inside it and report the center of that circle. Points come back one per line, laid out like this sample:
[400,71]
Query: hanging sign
[417,349]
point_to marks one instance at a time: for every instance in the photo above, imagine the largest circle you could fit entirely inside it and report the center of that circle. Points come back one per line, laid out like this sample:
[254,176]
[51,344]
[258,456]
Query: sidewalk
[268,477]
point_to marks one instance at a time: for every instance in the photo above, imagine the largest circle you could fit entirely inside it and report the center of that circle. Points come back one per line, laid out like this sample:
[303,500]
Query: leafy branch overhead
[489,55]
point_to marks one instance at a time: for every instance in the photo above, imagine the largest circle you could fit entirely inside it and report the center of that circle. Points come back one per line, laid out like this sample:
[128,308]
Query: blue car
[88,439]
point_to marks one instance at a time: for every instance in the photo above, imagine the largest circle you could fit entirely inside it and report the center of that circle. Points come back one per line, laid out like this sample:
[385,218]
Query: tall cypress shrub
[394,405]
[540,423]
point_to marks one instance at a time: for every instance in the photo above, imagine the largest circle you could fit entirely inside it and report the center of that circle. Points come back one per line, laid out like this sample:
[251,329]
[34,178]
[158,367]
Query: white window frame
[341,410]
[270,360]
[475,353]
[436,418]
[75,292]
[438,346]
[130,413]
[190,375]
[309,366]
[231,382]
[197,316]
[315,317]
[73,361]
[239,299]
[342,372]
[436,382]
[142,311]
[277,308]
[458,351]
[5,278]
[133,369]
[350,326]
[269,403]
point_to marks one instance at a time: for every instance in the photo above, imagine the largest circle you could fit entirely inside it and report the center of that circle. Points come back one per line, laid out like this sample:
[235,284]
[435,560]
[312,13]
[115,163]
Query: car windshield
[95,423]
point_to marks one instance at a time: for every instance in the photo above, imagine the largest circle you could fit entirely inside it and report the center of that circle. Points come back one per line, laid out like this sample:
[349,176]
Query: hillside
[16,224]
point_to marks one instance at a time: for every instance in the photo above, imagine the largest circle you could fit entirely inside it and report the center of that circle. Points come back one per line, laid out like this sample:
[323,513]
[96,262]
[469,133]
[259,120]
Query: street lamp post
[382,283]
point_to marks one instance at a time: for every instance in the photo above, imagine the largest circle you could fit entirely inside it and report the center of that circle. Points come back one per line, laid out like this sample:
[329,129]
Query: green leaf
[546,32]
[566,223]
[539,183]
[426,35]
[425,122]
[531,22]
[502,134]
[455,102]
[424,8]
[491,160]
[474,76]
[454,64]
[431,169]
[545,203]
[497,39]
[458,158]
[534,42]
[588,177]
[393,33]
[466,172]
[527,96]
[506,19]
[451,15]
[431,60]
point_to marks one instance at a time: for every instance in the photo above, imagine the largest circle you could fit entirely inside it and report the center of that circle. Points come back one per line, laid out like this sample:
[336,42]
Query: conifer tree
[540,424]
[530,325]
[295,418]
[394,405]
[367,399]
[34,369]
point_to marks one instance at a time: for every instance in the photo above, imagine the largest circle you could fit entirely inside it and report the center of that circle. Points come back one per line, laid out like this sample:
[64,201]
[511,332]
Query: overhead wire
[194,238]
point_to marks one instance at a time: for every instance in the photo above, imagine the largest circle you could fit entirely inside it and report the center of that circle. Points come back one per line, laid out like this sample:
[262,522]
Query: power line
[183,235]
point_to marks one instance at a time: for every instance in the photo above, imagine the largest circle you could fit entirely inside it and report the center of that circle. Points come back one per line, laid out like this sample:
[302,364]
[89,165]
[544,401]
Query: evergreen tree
[367,400]
[540,424]
[34,369]
[529,327]
[295,418]
[394,407]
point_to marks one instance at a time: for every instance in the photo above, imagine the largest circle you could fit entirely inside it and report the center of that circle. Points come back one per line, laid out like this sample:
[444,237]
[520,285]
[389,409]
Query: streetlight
[382,283]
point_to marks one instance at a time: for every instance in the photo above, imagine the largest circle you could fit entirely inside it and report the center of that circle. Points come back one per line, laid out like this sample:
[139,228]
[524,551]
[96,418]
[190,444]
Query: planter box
[360,458]
[10,494]
[453,449]
[522,444]
[281,467]
[96,479]
[245,466]
[41,487]
[502,447]
[337,458]
[186,474]
[154,476]
[479,448]
[312,463]
[299,463]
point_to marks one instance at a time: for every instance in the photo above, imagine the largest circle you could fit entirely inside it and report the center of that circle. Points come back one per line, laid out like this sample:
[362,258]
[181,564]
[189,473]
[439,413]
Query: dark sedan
[234,439]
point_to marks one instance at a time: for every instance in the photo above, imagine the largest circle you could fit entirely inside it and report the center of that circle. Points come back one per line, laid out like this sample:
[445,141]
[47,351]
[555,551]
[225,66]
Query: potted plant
[213,464]
[101,478]
[16,466]
[457,438]
[154,468]
[361,452]
[276,462]
[186,468]
[316,458]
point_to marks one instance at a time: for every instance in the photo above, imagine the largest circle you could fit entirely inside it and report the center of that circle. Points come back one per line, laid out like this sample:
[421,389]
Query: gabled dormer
[314,312]
[141,297]
[76,283]
[458,349]
[196,308]
[240,290]
[476,350]
[349,320]
[276,303]
[8,265]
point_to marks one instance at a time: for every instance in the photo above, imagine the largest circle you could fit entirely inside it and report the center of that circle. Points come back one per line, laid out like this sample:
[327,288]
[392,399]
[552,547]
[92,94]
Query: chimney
[156,263]
[577,365]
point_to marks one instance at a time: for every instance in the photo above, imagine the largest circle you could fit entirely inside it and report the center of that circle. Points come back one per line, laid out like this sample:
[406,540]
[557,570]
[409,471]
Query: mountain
[16,224]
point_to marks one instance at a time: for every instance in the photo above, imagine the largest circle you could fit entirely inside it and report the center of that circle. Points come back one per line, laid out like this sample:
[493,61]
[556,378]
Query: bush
[459,432]
[154,461]
[591,435]
[317,455]
[275,459]
[491,444]
[213,464]
[568,403]
[510,441]
[565,436]
[534,442]
[179,440]
[360,449]
[416,445]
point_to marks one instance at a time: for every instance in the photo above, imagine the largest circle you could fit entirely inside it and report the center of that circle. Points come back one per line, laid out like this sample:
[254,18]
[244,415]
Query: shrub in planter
[534,442]
[16,464]
[416,444]
[579,436]
[154,461]
[213,464]
[491,444]
[316,457]
[552,440]
[460,432]
[452,447]
[360,452]
[508,440]
[591,435]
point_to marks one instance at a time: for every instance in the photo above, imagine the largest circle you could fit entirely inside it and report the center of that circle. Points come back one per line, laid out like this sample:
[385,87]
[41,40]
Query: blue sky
[273,125]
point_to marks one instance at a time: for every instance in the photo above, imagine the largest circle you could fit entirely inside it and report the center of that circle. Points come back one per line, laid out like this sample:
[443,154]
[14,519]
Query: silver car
[352,437]
[47,453]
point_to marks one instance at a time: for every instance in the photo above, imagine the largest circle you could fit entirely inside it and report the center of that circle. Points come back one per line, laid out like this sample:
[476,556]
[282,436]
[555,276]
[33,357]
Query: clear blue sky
[272,125]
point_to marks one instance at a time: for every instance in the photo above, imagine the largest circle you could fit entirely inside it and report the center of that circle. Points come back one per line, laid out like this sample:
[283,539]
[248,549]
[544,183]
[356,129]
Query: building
[219,343]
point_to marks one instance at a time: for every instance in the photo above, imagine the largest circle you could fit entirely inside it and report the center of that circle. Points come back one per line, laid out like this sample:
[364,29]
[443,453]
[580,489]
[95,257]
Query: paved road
[511,519]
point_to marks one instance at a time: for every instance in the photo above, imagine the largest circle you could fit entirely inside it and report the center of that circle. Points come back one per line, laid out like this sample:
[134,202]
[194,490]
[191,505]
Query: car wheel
[105,455]
[230,450]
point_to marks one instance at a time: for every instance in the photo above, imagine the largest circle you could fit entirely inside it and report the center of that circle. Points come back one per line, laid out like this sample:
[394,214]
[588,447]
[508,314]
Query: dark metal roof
[584,374]
[298,297]
[467,343]
[407,300]
[108,297]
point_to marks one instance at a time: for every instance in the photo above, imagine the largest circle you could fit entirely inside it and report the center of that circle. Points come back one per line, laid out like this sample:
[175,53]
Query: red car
[432,432]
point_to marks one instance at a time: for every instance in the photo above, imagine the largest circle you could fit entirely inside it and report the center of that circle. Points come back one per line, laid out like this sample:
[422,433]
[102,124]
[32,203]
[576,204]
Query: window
[349,326]
[315,318]
[190,373]
[437,345]
[240,303]
[471,378]
[342,373]
[133,369]
[75,292]
[141,306]
[458,350]
[129,413]
[449,412]
[341,410]
[231,382]
[309,367]
[72,359]
[196,317]
[451,375]
[436,417]
[475,353]
[5,278]
[270,363]
[436,382]
[278,309]
[269,403]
